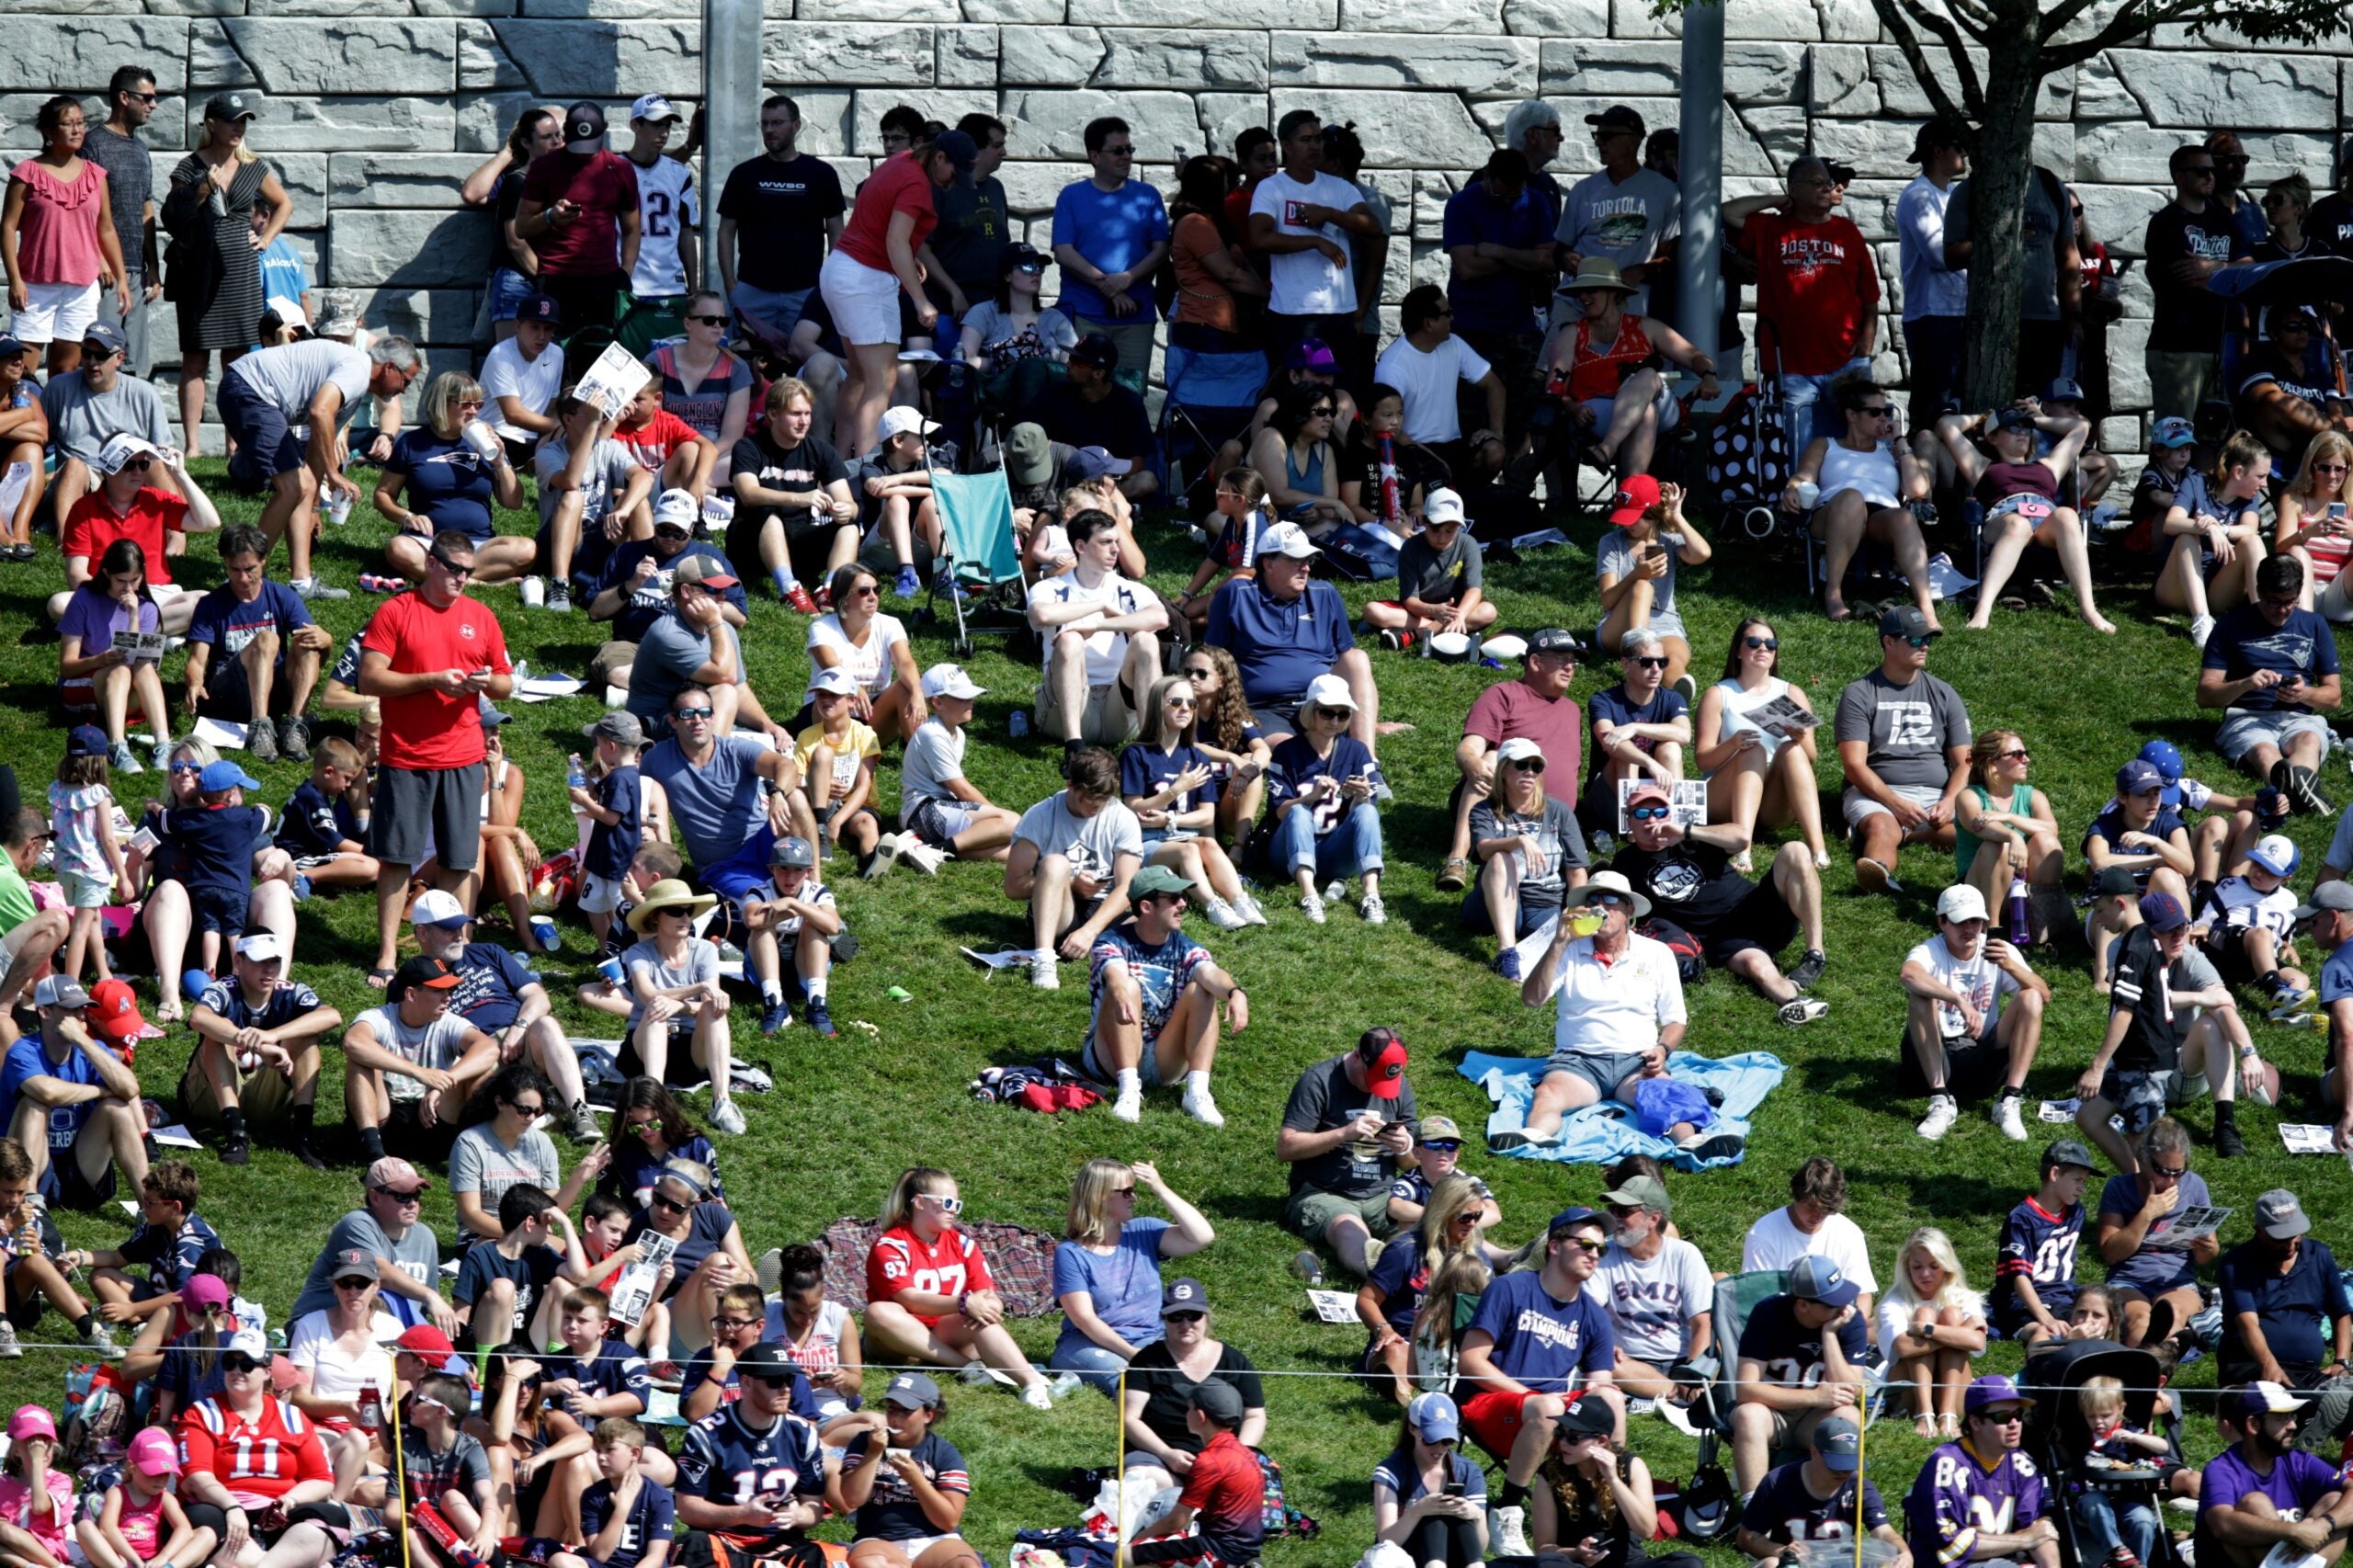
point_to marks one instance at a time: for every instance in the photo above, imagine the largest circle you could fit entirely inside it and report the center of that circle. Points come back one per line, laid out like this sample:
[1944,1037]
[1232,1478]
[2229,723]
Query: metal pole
[731,99]
[1699,279]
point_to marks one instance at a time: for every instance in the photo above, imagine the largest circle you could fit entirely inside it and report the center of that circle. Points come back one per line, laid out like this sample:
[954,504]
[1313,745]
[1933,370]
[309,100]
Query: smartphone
[2336,512]
[1655,552]
[1453,1487]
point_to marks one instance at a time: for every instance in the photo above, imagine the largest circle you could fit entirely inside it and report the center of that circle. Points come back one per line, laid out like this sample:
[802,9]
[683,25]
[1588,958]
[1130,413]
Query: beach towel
[1604,1133]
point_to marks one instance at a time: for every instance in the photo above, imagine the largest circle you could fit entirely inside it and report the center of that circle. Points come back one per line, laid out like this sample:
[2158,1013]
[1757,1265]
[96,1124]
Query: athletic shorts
[936,820]
[2242,730]
[1604,1072]
[744,874]
[1973,1068]
[1859,807]
[599,896]
[427,813]
[1761,921]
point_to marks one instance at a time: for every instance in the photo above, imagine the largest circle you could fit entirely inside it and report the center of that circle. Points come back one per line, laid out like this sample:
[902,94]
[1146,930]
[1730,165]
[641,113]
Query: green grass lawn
[850,1112]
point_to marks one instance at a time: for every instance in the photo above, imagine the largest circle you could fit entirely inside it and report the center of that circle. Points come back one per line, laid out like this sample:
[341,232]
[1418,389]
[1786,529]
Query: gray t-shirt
[1052,328]
[1555,832]
[610,467]
[669,652]
[480,1163]
[717,806]
[700,966]
[1437,576]
[1622,222]
[1651,1303]
[932,757]
[1614,555]
[292,374]
[130,181]
[1909,727]
[80,420]
[2040,229]
[418,1254]
[1091,844]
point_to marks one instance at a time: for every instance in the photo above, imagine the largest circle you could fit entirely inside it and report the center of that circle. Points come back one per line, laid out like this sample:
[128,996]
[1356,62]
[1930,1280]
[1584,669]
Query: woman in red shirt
[872,261]
[929,1294]
[255,1468]
[1606,365]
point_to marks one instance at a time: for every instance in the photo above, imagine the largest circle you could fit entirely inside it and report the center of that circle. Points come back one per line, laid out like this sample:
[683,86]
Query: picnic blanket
[1600,1134]
[1020,1260]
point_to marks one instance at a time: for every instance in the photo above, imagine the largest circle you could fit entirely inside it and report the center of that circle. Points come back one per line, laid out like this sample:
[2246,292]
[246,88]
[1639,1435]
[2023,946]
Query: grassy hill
[848,1113]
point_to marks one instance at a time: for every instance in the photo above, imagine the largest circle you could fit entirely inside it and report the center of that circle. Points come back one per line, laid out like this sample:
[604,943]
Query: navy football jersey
[725,1460]
[2038,1247]
[1784,1510]
[614,1368]
[1792,1353]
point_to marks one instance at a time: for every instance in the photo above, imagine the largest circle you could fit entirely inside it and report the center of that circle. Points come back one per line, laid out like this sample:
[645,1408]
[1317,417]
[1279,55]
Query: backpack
[1707,1507]
[192,266]
[1690,958]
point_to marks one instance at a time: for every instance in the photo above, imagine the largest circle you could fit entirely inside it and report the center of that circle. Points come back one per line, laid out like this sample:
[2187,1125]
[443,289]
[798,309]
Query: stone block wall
[374,120]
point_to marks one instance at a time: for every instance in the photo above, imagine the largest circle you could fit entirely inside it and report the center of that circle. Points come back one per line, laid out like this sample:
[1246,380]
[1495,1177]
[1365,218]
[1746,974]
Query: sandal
[381,979]
[1455,876]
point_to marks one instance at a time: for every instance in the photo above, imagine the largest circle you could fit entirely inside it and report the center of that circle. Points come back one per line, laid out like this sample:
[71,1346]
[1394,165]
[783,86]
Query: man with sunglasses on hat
[1903,740]
[1740,924]
[388,1227]
[1620,1009]
[1540,1340]
[2266,1496]
[143,494]
[98,399]
[1980,1499]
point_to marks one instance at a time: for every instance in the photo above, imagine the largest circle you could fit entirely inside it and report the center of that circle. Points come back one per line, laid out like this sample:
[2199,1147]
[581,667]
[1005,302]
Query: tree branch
[1915,59]
[2134,22]
[1976,18]
[1972,94]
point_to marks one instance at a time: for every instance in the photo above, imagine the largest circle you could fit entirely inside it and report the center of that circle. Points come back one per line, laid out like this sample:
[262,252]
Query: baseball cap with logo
[1520,748]
[1816,1278]
[431,974]
[1617,117]
[56,991]
[1381,1051]
[1839,1444]
[395,1174]
[434,907]
[2278,1216]
[2277,853]
[1157,880]
[1437,1129]
[706,571]
[584,128]
[1555,640]
[652,107]
[2174,430]
[2263,1398]
[1440,506]
[677,507]
[1961,902]
[1904,620]
[911,1391]
[225,775]
[1587,1415]
[834,680]
[1635,497]
[1097,350]
[2162,912]
[225,107]
[1185,1294]
[1649,792]
[1991,1390]
[106,336]
[1315,356]
[262,946]
[114,1011]
[85,740]
[2136,777]
[1435,1418]
[1287,539]
[539,307]
[355,1263]
[791,853]
[1641,1192]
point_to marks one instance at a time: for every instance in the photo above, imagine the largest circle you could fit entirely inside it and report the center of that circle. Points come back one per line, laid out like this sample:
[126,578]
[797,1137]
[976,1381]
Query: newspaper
[1687,803]
[1784,717]
[141,647]
[2190,1226]
[613,380]
[1333,1306]
[2308,1137]
[632,1292]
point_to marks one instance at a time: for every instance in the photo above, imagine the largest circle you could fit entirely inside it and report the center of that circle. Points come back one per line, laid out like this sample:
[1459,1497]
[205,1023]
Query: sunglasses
[237,1364]
[469,402]
[1325,413]
[450,566]
[142,97]
[867,591]
[1182,1317]
[1584,1244]
[188,767]
[2329,468]
[692,715]
[669,532]
[1649,813]
[414,1194]
[1339,713]
[1771,644]
[669,1205]
[1173,700]
[1529,764]
[137,464]
[1127,1191]
[1876,410]
[1205,673]
[1609,900]
[644,1129]
[354,1284]
[1921,641]
[710,321]
[2021,754]
[1443,1145]
[945,1205]
[521,1109]
[1651,663]
[2171,1173]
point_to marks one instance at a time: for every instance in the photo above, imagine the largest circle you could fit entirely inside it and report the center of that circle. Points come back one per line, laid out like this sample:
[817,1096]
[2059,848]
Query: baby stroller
[2058,1441]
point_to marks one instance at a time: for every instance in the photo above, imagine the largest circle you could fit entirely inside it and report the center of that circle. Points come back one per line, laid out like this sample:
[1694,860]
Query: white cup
[535,591]
[1808,494]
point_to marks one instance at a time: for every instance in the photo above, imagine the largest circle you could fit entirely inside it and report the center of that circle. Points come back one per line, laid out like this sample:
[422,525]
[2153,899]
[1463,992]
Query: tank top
[1871,474]
[1965,843]
[1597,373]
[142,1524]
[2328,553]
[1739,704]
[1589,1508]
[1312,480]
[2002,481]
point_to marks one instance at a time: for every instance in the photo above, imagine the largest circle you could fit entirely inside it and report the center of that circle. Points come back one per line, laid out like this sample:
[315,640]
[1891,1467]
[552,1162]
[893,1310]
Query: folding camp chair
[977,542]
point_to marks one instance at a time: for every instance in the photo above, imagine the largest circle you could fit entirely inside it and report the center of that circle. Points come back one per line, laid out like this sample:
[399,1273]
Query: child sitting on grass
[626,1516]
[170,1239]
[655,862]
[604,1221]
[141,1524]
[326,825]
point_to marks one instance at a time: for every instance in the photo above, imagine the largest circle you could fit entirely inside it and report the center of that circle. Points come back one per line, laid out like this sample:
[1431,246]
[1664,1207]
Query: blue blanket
[1601,1134]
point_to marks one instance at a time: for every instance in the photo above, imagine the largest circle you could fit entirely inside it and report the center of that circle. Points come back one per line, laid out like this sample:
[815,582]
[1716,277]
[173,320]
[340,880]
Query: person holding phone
[1428,1497]
[2312,524]
[2271,667]
[1322,827]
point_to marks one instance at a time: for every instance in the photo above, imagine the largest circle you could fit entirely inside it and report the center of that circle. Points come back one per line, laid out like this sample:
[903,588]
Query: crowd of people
[1215,747]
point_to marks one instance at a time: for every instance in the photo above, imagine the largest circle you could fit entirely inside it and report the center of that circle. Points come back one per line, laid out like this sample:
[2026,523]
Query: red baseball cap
[114,1011]
[1635,497]
[427,1341]
[1382,1051]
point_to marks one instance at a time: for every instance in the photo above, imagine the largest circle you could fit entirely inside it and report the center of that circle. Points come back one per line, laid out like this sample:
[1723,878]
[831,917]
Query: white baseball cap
[906,421]
[1287,539]
[652,106]
[434,907]
[1520,748]
[1442,506]
[834,680]
[1328,691]
[949,680]
[120,449]
[678,507]
[263,946]
[1961,901]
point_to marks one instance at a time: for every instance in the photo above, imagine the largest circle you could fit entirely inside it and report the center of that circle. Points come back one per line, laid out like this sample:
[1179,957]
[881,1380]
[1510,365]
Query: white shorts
[56,312]
[865,302]
[913,1546]
[598,895]
[1859,807]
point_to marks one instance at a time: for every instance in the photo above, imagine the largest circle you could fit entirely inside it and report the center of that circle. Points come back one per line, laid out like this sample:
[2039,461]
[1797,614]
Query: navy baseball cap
[2162,912]
[1839,1444]
[539,308]
[2137,778]
[106,334]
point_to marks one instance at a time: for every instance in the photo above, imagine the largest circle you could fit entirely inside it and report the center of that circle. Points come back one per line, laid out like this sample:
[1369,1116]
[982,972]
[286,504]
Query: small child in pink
[36,1502]
[141,1520]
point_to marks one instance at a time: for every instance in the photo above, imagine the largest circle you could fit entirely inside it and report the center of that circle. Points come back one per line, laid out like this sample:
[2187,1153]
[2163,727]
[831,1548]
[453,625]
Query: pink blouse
[57,237]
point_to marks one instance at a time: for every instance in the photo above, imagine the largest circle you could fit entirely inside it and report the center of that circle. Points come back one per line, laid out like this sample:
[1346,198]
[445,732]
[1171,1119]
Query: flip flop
[381,979]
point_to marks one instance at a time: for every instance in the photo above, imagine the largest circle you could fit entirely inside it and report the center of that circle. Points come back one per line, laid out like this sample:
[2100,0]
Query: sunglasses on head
[1769,644]
[1649,813]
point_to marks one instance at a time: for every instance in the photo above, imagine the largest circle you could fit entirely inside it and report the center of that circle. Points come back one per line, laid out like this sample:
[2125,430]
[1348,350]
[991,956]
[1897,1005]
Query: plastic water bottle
[2019,929]
[1018,725]
[575,773]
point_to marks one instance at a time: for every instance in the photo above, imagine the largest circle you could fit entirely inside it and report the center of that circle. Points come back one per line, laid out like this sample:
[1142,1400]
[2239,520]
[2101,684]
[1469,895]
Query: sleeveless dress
[1873,475]
[1738,705]
[232,318]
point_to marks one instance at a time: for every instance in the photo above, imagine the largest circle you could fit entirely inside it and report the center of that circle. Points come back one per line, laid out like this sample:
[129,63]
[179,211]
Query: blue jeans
[1098,1369]
[1799,397]
[2103,1526]
[778,311]
[1351,849]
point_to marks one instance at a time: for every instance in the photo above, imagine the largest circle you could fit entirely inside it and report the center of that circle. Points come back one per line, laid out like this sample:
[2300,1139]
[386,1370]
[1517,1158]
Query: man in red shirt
[1536,706]
[579,212]
[254,1469]
[127,503]
[1817,292]
[666,445]
[1218,1514]
[430,657]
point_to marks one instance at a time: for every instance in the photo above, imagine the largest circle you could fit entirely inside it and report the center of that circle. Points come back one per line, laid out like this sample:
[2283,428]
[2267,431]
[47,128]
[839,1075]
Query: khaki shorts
[1107,720]
[265,1095]
[1794,1430]
[1310,1212]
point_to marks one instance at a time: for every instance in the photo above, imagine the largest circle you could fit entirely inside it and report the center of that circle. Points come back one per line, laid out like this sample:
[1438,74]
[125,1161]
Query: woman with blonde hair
[1930,1323]
[2216,526]
[1454,1221]
[930,1296]
[1107,1267]
[2313,526]
[1172,782]
[451,465]
[2003,828]
[1758,776]
[221,301]
[1532,854]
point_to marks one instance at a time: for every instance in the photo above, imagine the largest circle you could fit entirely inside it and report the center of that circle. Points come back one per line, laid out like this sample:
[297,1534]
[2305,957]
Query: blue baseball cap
[1990,1389]
[539,307]
[2172,431]
[225,775]
[2064,390]
[2138,778]
[1435,1417]
[2278,854]
[1816,1278]
[1569,1219]
[85,740]
[2162,912]
[2165,758]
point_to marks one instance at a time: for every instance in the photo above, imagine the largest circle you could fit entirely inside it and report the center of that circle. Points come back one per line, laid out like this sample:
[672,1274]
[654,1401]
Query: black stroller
[2058,1441]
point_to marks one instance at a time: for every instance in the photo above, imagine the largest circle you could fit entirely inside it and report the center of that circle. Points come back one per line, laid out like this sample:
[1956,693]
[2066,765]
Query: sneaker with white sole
[725,1117]
[1202,1108]
[1942,1114]
[1037,1396]
[922,856]
[1313,904]
[1249,907]
[2005,1116]
[1803,1010]
[1224,916]
[887,850]
[1129,1107]
[1678,1415]
[976,1374]
[1375,913]
[9,1346]
[1046,972]
[1507,1532]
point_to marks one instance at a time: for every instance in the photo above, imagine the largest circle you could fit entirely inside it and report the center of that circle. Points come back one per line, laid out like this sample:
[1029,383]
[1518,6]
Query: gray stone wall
[373,121]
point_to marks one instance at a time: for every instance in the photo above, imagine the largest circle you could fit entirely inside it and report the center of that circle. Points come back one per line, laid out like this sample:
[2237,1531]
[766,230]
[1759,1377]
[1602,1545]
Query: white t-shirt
[1775,1242]
[1427,382]
[1650,1305]
[870,664]
[1984,981]
[1308,282]
[1091,844]
[932,757]
[666,204]
[437,1045]
[534,383]
[1614,1008]
[335,1372]
[1895,1318]
[1106,651]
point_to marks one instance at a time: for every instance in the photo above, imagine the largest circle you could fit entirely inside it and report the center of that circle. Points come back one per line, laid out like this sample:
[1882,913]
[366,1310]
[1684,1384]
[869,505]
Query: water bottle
[2018,924]
[1018,725]
[575,773]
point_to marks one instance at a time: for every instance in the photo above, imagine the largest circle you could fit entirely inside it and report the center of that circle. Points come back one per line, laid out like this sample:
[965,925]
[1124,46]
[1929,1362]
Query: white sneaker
[1203,1109]
[1037,1396]
[725,1117]
[976,1374]
[1046,972]
[1375,913]
[1507,1532]
[1942,1114]
[887,850]
[1313,904]
[1129,1107]
[922,856]
[1225,916]
[2201,629]
[310,590]
[1677,1415]
[2005,1116]
[1250,910]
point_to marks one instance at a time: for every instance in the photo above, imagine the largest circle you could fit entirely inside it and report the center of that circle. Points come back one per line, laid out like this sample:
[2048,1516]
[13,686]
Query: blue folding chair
[982,556]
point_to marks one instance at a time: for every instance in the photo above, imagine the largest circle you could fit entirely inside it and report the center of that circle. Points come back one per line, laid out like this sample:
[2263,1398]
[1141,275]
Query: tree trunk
[1997,190]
